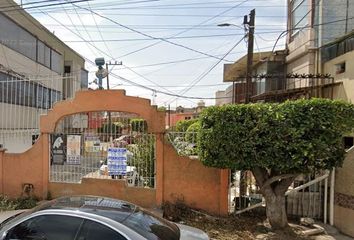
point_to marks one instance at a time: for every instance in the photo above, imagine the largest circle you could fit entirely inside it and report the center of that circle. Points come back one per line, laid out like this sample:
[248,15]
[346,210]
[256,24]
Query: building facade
[321,41]
[36,70]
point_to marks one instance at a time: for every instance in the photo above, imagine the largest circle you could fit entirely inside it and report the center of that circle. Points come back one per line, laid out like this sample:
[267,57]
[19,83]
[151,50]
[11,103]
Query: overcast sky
[133,25]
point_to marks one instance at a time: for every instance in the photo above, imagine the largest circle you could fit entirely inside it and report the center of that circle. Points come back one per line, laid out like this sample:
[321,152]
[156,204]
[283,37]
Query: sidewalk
[332,232]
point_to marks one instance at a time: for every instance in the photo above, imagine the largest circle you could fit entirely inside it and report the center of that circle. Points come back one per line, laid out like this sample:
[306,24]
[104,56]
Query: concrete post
[45,163]
[159,169]
[2,159]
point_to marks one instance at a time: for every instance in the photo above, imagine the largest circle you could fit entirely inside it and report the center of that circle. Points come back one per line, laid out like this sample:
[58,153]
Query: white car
[93,218]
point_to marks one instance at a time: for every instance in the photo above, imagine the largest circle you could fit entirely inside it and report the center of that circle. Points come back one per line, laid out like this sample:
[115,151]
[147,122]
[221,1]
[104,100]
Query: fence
[23,100]
[302,199]
[105,145]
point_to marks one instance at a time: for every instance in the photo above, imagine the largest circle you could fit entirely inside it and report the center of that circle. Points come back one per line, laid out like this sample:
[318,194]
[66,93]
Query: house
[320,40]
[37,69]
[182,113]
[264,64]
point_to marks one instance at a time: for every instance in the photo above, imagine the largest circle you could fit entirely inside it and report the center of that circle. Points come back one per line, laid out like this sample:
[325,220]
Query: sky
[187,62]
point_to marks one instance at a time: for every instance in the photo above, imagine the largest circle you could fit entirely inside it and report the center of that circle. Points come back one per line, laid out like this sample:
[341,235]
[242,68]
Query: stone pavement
[332,233]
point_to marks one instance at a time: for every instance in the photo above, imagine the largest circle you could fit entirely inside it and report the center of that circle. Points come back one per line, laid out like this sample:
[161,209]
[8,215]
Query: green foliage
[16,204]
[138,125]
[292,137]
[144,158]
[183,125]
[115,128]
[161,109]
[191,133]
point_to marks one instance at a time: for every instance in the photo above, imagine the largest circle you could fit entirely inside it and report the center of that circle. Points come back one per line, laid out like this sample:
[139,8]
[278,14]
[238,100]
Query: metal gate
[306,197]
[103,145]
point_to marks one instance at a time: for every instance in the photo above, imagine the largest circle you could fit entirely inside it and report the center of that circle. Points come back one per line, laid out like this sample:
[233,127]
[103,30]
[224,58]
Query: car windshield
[151,227]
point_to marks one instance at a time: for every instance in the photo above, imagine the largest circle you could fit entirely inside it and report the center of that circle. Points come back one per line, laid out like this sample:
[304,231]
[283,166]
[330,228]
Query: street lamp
[101,72]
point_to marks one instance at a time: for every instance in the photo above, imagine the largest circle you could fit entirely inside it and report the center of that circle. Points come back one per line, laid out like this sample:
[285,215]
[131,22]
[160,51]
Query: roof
[239,68]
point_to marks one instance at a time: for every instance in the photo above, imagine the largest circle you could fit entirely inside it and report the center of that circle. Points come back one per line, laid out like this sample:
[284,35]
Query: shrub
[139,125]
[183,125]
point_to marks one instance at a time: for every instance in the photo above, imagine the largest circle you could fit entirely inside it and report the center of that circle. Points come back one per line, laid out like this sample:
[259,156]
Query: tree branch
[283,185]
[271,180]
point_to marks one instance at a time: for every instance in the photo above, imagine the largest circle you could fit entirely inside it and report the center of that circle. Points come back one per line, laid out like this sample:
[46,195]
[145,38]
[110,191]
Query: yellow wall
[346,91]
[344,196]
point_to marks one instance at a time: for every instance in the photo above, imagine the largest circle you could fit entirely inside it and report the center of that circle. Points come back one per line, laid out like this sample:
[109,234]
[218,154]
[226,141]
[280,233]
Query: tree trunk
[273,187]
[276,211]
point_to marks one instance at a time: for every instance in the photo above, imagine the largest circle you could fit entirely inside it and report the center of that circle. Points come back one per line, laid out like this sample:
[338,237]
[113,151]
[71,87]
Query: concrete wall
[344,196]
[144,197]
[346,90]
[202,187]
[199,186]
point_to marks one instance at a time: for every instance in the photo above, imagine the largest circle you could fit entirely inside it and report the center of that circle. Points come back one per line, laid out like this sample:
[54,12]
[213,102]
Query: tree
[182,125]
[277,142]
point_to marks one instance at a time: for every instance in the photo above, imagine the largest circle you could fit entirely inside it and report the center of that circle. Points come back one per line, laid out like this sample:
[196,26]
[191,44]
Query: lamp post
[251,26]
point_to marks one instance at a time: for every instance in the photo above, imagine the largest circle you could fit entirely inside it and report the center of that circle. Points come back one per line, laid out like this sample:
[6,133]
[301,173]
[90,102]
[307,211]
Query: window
[26,93]
[17,38]
[151,227]
[49,227]
[56,64]
[93,231]
[84,79]
[299,13]
[340,68]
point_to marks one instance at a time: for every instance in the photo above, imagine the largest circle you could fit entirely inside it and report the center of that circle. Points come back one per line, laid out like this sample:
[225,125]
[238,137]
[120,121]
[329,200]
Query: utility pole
[111,64]
[251,26]
[109,113]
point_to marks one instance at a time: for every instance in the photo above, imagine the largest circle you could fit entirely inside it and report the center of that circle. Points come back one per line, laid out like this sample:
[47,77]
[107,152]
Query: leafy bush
[7,204]
[138,125]
[191,133]
[115,128]
[183,125]
[277,142]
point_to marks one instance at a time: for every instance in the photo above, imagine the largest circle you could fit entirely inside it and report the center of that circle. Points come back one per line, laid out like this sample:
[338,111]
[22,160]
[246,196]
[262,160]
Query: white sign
[73,149]
[117,161]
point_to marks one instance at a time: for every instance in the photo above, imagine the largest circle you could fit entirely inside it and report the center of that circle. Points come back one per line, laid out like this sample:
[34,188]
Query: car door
[92,230]
[46,227]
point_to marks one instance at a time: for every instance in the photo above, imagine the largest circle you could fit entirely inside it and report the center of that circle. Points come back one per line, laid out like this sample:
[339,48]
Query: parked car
[93,218]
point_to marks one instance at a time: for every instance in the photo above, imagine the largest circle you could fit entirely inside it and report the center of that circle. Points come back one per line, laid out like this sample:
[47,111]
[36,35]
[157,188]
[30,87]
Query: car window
[93,231]
[151,227]
[48,227]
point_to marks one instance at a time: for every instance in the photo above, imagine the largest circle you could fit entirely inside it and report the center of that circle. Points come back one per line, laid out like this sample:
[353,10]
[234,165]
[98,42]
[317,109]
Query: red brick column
[159,168]
[2,159]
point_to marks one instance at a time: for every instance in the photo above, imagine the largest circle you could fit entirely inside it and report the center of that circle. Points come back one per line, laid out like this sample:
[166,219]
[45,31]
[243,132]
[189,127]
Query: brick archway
[104,100]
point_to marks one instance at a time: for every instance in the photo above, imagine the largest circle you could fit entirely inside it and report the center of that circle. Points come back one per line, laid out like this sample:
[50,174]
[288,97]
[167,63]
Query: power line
[17,8]
[202,76]
[148,35]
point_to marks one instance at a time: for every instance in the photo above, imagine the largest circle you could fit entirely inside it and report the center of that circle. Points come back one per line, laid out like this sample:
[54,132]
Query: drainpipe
[331,198]
[325,207]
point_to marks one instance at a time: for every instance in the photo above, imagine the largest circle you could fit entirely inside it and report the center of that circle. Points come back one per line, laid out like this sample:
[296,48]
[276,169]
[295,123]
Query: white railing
[23,100]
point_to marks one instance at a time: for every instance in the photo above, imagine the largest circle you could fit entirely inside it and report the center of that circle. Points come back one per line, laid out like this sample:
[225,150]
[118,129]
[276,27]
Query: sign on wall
[73,146]
[117,161]
[57,149]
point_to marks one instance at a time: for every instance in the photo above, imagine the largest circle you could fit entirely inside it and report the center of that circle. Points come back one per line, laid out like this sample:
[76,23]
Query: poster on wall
[57,151]
[117,161]
[73,149]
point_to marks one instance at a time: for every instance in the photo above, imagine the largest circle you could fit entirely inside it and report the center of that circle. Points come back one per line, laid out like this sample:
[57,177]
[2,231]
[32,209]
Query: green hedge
[291,137]
[138,125]
[183,125]
[191,133]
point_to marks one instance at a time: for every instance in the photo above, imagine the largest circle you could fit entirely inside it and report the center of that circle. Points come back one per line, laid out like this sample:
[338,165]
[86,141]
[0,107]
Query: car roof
[114,209]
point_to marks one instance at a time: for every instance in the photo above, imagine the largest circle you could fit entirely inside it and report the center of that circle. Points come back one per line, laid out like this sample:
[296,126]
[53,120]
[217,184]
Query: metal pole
[233,92]
[251,27]
[107,76]
[169,115]
[109,113]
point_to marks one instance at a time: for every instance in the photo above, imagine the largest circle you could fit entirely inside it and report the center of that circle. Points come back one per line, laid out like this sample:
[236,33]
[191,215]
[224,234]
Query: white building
[36,70]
